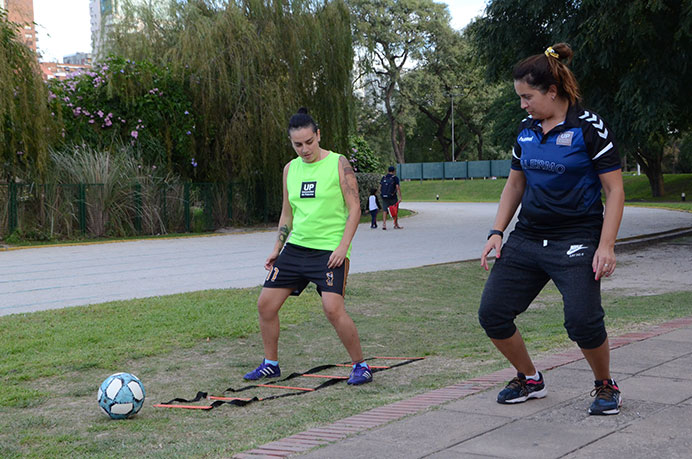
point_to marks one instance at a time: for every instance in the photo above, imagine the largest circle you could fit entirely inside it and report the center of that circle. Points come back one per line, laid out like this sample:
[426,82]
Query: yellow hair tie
[551,52]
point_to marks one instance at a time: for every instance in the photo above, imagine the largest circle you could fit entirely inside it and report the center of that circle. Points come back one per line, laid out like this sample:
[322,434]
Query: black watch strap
[493,232]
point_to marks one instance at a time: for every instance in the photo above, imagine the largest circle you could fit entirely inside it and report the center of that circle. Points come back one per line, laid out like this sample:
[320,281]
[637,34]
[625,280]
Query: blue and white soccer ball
[121,395]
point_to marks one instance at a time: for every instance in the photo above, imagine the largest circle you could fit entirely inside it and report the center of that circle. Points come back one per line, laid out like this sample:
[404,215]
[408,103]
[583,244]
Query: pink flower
[134,134]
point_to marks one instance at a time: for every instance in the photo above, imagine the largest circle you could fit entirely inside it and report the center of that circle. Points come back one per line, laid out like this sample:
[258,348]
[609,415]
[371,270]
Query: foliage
[366,182]
[122,182]
[631,58]
[26,124]
[451,73]
[392,37]
[684,163]
[362,157]
[248,66]
[129,102]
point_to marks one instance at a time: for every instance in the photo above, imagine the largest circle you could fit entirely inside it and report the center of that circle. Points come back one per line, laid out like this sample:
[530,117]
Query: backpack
[388,186]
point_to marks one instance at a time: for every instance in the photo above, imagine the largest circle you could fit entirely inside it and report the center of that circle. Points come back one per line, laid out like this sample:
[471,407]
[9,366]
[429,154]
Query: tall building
[77,59]
[22,13]
[104,13]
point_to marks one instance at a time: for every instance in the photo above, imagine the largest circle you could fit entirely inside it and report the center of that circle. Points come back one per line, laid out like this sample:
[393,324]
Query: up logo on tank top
[307,190]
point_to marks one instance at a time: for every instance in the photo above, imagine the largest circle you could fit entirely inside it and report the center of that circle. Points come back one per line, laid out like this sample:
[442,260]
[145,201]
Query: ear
[552,92]
[318,135]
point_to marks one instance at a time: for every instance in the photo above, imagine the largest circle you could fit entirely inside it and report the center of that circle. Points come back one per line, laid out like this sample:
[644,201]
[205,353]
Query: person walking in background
[373,207]
[563,157]
[319,217]
[390,191]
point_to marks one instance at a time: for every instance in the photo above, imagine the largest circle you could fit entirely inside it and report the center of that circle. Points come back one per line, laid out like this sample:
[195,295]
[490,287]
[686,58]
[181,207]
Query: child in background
[373,206]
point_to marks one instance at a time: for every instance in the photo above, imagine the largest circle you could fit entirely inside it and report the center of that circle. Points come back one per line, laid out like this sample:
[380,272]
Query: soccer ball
[121,395]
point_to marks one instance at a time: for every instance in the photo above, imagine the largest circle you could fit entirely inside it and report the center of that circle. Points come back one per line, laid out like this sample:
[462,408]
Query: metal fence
[454,170]
[47,211]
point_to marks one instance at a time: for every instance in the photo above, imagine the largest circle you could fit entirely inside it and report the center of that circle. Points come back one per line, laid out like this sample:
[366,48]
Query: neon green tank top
[319,209]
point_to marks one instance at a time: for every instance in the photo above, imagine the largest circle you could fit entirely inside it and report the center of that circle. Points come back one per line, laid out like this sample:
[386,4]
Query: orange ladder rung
[325,376]
[307,389]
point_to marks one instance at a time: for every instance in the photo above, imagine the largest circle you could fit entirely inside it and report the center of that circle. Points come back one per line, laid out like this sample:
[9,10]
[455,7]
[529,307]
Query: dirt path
[658,268]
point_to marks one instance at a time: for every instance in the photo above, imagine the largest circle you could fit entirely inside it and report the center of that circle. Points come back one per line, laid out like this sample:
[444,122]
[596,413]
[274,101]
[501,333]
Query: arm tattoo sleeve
[283,234]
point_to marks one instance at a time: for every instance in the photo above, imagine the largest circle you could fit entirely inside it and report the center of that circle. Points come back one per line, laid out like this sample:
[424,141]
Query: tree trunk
[396,130]
[651,161]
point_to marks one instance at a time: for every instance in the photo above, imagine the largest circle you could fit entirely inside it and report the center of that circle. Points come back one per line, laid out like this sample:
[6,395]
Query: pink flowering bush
[133,103]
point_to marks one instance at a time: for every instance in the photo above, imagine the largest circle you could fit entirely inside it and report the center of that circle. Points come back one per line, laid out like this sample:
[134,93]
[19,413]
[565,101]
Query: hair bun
[302,110]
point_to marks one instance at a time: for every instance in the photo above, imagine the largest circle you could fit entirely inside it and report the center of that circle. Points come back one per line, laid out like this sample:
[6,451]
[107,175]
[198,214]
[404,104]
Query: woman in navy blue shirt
[563,157]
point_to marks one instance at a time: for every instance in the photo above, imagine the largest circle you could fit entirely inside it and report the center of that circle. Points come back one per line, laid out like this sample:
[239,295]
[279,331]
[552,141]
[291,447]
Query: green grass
[637,191]
[54,361]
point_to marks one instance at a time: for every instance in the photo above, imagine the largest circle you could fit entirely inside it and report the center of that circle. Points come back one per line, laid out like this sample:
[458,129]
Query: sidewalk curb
[339,430]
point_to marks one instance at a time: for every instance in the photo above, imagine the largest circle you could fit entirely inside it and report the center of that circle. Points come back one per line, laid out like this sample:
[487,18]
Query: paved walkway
[54,277]
[653,370]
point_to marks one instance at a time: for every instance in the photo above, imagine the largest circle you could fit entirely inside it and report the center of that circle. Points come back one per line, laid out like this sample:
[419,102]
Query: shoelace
[517,383]
[605,392]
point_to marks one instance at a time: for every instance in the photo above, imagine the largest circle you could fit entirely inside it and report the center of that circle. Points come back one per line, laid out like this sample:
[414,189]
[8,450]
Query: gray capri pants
[521,272]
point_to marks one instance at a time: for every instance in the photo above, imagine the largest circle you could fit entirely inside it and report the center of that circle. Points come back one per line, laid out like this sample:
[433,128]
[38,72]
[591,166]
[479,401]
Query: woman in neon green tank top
[319,217]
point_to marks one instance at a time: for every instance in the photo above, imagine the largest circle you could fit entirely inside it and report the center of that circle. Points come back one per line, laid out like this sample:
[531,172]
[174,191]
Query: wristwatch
[493,232]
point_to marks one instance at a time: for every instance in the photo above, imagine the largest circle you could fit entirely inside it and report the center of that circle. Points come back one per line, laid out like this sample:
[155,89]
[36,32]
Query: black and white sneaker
[520,389]
[608,399]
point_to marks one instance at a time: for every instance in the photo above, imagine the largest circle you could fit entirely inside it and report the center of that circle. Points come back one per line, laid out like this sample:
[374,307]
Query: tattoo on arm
[346,166]
[283,234]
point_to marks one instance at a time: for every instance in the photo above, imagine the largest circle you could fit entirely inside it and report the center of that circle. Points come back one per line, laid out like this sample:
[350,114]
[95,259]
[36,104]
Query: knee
[586,329]
[496,325]
[266,309]
[588,337]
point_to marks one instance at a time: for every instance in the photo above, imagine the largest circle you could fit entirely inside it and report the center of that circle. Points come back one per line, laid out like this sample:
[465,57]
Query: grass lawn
[54,361]
[637,191]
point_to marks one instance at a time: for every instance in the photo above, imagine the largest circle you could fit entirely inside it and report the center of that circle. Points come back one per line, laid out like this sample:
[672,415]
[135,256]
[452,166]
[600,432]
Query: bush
[366,182]
[362,157]
[132,103]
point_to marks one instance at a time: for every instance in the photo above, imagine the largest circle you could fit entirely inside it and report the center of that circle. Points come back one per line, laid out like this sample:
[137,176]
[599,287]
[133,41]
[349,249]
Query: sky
[64,27]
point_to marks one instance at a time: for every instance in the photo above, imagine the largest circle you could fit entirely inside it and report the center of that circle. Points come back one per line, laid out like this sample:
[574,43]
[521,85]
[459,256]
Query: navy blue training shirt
[562,198]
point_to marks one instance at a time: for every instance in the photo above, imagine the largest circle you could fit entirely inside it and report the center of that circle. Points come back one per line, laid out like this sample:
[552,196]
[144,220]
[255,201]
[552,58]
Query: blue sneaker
[608,399]
[361,374]
[265,370]
[521,389]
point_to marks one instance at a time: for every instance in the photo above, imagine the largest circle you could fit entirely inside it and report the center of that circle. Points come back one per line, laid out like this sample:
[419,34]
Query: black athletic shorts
[386,202]
[297,266]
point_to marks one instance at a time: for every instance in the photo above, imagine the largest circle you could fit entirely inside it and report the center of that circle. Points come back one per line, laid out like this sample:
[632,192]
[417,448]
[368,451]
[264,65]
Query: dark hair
[540,71]
[301,120]
[391,169]
[373,190]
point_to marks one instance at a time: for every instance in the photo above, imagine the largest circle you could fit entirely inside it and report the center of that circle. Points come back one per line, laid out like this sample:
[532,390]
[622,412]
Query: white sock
[535,377]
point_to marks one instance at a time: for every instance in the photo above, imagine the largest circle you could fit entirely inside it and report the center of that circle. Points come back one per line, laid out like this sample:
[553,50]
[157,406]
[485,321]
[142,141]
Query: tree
[392,37]
[631,58]
[451,72]
[248,65]
[26,124]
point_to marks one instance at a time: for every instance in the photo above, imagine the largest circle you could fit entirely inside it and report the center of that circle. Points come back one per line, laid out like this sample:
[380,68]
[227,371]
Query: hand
[495,242]
[269,263]
[337,257]
[603,262]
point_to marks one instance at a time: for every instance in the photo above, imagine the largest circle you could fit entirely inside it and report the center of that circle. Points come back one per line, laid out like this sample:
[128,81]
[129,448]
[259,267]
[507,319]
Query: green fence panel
[411,171]
[456,170]
[479,169]
[500,167]
[433,171]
